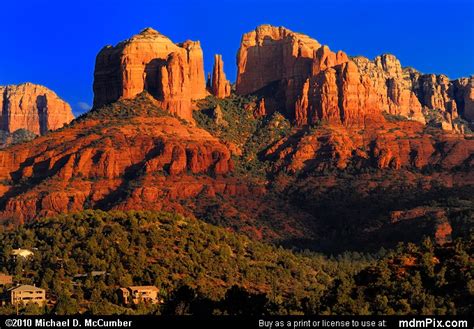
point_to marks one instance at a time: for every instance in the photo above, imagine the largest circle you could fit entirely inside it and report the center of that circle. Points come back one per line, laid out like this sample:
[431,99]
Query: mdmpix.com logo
[432,323]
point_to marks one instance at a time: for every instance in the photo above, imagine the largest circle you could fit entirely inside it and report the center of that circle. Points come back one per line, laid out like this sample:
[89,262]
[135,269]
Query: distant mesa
[149,61]
[32,107]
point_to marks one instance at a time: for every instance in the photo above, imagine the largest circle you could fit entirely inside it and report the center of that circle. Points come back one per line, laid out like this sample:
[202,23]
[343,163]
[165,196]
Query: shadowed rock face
[308,82]
[172,73]
[468,99]
[400,145]
[277,57]
[32,107]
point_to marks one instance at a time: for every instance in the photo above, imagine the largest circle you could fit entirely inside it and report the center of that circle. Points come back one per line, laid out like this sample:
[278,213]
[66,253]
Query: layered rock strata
[32,107]
[172,73]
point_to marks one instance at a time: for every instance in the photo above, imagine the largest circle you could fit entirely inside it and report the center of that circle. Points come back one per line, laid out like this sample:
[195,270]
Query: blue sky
[54,43]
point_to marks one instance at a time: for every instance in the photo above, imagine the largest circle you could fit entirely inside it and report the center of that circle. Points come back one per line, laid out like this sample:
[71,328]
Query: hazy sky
[54,43]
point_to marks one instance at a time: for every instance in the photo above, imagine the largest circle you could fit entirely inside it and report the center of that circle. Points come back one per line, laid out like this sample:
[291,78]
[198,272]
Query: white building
[25,253]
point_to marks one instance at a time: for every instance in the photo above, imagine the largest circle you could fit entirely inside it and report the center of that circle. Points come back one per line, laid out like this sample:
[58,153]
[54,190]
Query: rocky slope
[101,157]
[396,145]
[319,175]
[149,61]
[310,83]
[32,107]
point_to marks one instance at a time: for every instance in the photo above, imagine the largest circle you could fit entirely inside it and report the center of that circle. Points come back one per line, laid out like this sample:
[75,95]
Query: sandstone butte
[309,83]
[149,61]
[32,107]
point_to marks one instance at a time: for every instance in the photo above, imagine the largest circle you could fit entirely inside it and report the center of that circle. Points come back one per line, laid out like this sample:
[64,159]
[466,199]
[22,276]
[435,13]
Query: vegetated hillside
[342,187]
[249,173]
[130,154]
[203,269]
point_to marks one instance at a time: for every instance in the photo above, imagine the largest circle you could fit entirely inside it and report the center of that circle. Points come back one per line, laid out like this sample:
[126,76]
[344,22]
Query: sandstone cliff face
[469,100]
[172,73]
[220,86]
[324,58]
[312,81]
[338,93]
[309,83]
[32,107]
[275,55]
[392,86]
[464,95]
[435,91]
[270,54]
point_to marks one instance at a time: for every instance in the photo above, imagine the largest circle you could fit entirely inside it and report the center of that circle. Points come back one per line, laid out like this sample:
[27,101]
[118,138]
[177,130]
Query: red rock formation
[307,82]
[220,86]
[298,64]
[302,106]
[32,107]
[464,94]
[172,73]
[469,100]
[78,166]
[434,90]
[391,85]
[324,58]
[450,98]
[260,110]
[278,58]
[386,145]
[338,95]
[270,54]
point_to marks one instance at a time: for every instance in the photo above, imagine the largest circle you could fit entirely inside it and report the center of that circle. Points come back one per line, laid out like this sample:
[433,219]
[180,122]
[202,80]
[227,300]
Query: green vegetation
[239,127]
[142,105]
[202,269]
[394,117]
[237,123]
[17,137]
[22,136]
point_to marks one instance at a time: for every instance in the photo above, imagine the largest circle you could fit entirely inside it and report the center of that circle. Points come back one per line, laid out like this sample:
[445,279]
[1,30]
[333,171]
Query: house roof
[143,288]
[22,252]
[25,287]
